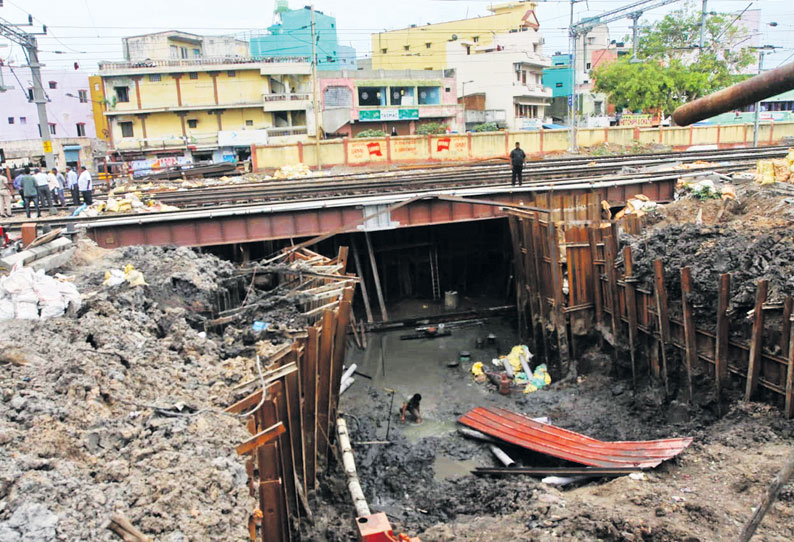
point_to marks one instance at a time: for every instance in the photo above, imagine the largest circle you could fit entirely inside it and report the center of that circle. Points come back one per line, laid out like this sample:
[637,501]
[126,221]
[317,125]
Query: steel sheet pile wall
[601,298]
[292,427]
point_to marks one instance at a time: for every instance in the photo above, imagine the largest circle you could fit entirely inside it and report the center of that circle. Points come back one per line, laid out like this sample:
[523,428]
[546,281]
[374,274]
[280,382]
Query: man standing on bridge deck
[517,158]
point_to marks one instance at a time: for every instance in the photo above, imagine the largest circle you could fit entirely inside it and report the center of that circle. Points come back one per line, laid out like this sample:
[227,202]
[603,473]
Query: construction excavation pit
[571,368]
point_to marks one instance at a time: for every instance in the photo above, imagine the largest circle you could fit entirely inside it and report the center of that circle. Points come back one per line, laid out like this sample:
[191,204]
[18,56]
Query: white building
[509,72]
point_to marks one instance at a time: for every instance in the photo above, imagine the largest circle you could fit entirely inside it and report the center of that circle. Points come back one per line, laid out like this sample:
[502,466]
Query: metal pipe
[347,374]
[505,459]
[346,384]
[753,90]
[349,464]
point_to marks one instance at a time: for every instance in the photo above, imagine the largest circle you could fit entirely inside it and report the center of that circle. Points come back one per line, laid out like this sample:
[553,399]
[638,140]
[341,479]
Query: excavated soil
[95,406]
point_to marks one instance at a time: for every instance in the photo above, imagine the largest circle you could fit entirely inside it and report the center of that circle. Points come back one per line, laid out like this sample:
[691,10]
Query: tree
[671,68]
[431,128]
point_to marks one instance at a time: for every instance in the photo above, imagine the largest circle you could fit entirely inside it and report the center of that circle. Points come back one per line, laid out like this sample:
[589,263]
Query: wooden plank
[662,315]
[341,259]
[272,499]
[689,327]
[631,311]
[609,250]
[360,273]
[376,278]
[286,454]
[559,317]
[785,332]
[293,393]
[519,276]
[721,348]
[338,357]
[261,438]
[756,340]
[309,388]
[593,242]
[789,407]
[324,380]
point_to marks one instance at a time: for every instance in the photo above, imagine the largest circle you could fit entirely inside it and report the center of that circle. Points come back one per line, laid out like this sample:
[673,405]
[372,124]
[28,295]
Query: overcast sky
[87,31]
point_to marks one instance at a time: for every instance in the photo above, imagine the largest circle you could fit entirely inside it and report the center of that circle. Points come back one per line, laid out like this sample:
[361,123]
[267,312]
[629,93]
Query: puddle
[446,468]
[428,428]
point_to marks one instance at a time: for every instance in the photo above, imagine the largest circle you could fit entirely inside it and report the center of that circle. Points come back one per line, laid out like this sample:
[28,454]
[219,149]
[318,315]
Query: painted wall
[293,38]
[465,147]
[19,118]
[423,47]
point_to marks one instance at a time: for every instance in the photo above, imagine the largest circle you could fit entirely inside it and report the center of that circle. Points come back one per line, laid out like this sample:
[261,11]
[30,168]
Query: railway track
[557,172]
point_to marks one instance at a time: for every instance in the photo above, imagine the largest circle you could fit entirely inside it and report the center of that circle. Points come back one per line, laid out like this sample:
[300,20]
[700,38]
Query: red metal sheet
[551,440]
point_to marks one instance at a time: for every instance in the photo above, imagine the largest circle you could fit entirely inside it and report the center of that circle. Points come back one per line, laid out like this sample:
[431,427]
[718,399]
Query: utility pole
[703,25]
[572,97]
[28,42]
[315,92]
[635,34]
[757,106]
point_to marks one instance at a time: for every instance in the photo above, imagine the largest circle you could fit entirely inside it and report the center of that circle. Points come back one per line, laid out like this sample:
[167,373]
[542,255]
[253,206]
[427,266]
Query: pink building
[400,101]
[69,111]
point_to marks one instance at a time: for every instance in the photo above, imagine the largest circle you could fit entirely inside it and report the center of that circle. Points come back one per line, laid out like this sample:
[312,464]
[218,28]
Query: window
[23,120]
[30,94]
[155,78]
[369,96]
[429,95]
[231,73]
[476,39]
[183,52]
[126,129]
[402,96]
[53,85]
[193,75]
[407,47]
[174,51]
[588,66]
[249,123]
[80,129]
[428,45]
[52,129]
[196,53]
[559,85]
[534,47]
[337,96]
[192,123]
[122,94]
[384,50]
[10,120]
[82,95]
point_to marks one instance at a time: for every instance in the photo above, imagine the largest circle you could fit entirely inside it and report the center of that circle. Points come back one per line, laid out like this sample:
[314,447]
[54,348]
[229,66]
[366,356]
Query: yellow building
[200,109]
[427,47]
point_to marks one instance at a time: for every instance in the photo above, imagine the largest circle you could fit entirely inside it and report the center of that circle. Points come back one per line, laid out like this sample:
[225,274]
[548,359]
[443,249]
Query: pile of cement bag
[30,295]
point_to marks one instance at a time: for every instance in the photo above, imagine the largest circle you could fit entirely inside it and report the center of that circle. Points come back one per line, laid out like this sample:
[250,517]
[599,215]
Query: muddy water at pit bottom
[446,468]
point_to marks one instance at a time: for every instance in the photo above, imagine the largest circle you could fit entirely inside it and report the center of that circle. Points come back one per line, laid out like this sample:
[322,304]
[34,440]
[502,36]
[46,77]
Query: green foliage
[371,133]
[431,128]
[486,127]
[671,68]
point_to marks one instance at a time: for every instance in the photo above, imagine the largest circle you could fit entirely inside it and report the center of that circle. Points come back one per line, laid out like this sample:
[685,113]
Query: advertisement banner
[391,114]
[634,119]
[242,138]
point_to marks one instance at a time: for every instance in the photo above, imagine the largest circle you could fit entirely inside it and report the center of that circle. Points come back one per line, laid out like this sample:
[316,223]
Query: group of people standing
[41,187]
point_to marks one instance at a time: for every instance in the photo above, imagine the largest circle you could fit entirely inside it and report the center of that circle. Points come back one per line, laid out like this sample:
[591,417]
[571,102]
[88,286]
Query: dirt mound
[90,410]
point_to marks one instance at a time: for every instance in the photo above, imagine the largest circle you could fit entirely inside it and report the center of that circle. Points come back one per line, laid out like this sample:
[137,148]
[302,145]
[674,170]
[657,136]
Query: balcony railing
[283,131]
[294,97]
[190,62]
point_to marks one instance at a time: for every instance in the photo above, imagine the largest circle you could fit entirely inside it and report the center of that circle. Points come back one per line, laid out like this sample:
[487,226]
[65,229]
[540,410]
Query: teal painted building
[558,77]
[292,37]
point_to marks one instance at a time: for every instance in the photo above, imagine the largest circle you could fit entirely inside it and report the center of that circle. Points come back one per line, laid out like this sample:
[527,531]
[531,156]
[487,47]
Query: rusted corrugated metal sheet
[555,441]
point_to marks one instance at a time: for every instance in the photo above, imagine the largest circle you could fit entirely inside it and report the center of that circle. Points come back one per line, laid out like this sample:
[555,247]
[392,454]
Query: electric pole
[757,106]
[315,92]
[572,97]
[703,25]
[28,42]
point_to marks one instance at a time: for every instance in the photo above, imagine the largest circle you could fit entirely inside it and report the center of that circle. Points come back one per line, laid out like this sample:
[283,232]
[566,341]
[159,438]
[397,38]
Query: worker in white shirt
[71,185]
[43,189]
[56,188]
[85,185]
[5,197]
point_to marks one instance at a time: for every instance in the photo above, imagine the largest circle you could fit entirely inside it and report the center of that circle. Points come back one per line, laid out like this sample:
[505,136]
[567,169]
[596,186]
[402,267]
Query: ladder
[434,278]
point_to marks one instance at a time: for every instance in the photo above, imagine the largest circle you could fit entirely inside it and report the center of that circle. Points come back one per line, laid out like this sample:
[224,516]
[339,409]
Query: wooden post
[324,379]
[689,327]
[363,283]
[338,356]
[790,377]
[591,237]
[530,268]
[296,427]
[285,449]
[631,310]
[785,332]
[272,499]
[520,276]
[341,259]
[756,340]
[769,497]
[613,289]
[384,315]
[663,318]
[558,316]
[721,351]
[309,385]
[537,253]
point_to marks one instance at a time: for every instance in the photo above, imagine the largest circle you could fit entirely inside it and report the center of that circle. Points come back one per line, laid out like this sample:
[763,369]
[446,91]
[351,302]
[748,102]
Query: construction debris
[26,294]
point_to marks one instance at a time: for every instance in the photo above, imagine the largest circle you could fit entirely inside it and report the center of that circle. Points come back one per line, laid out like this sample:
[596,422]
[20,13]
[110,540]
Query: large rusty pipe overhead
[748,92]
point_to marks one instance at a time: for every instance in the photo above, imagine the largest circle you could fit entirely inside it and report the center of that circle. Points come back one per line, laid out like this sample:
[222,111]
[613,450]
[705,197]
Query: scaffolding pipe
[748,92]
[349,464]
